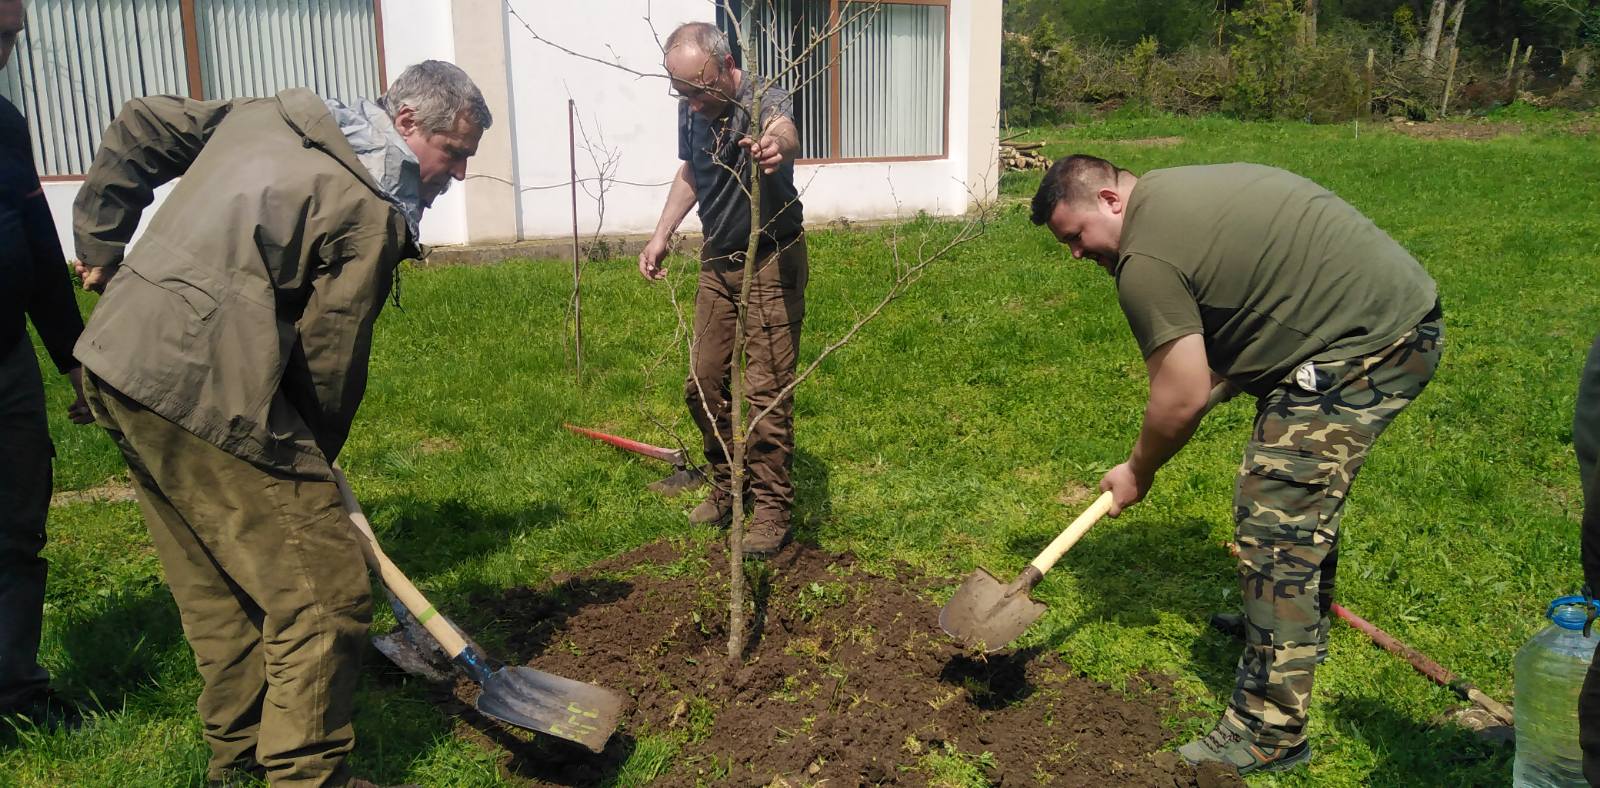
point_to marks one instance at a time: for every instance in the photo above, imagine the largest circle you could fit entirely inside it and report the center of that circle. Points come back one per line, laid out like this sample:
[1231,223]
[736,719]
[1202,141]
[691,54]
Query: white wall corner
[491,189]
[983,99]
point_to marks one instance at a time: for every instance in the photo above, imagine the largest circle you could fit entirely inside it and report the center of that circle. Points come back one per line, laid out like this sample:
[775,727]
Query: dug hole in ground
[849,682]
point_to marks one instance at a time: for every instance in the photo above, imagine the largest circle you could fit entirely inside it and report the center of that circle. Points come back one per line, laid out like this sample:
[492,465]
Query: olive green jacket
[244,314]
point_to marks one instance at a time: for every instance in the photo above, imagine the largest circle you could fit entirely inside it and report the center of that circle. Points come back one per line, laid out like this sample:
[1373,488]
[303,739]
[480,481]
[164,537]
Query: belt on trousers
[766,247]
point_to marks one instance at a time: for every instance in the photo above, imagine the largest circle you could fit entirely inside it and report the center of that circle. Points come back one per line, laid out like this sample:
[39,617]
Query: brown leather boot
[767,533]
[716,509]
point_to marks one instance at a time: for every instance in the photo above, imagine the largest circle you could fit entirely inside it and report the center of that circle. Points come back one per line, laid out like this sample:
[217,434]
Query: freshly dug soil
[849,681]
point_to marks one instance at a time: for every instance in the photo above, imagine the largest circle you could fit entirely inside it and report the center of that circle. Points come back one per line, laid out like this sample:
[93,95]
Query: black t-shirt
[712,149]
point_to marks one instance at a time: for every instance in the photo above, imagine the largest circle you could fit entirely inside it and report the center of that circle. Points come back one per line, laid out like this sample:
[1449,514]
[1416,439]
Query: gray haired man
[715,97]
[227,363]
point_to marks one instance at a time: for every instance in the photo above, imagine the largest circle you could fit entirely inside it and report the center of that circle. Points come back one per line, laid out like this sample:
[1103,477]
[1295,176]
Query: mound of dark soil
[849,681]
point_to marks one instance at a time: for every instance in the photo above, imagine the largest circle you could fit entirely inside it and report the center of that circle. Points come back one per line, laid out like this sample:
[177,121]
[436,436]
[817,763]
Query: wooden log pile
[1022,156]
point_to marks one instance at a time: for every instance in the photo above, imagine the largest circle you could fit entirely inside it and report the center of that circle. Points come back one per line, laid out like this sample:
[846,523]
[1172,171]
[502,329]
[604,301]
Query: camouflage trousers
[1311,436]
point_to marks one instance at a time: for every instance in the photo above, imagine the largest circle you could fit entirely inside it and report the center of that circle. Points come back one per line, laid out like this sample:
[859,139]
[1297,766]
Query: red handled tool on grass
[520,696]
[1427,667]
[684,478]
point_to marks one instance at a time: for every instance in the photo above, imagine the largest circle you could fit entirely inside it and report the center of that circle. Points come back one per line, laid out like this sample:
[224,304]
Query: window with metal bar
[868,79]
[80,60]
[259,47]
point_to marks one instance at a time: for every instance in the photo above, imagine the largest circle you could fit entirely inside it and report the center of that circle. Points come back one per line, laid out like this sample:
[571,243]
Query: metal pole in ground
[577,272]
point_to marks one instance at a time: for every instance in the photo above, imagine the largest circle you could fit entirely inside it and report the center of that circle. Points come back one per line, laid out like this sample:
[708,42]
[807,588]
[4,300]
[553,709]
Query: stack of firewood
[1022,156]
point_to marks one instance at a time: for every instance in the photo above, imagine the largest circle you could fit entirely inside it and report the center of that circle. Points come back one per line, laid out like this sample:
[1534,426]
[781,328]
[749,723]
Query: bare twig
[616,64]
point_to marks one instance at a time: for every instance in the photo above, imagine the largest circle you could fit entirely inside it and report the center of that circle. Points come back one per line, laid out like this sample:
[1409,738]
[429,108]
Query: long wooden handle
[394,579]
[1220,393]
[1074,532]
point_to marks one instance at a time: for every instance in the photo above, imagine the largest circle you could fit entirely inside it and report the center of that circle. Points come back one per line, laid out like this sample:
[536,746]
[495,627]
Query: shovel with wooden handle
[987,614]
[520,696]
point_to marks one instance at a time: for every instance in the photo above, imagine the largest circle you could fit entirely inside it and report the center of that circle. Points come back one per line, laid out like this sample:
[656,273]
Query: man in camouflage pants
[1239,276]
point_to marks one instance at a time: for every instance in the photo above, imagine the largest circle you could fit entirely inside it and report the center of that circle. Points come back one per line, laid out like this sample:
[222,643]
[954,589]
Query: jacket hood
[311,118]
[384,153]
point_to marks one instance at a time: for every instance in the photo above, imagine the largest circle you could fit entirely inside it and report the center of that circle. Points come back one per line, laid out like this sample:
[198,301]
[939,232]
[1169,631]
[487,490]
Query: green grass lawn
[948,435]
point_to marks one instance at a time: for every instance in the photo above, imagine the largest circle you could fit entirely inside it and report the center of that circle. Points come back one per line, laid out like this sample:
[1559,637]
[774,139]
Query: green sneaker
[1226,745]
[1232,625]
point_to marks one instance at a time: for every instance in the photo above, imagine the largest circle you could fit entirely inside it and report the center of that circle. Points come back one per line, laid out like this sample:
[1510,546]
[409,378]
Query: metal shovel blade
[681,481]
[545,702]
[987,614]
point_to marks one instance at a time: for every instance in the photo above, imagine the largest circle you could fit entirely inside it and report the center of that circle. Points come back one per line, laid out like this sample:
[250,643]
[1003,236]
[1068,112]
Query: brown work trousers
[272,589]
[772,328]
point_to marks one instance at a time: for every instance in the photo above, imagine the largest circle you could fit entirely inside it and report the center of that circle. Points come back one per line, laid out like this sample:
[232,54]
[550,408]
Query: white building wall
[638,121]
[635,119]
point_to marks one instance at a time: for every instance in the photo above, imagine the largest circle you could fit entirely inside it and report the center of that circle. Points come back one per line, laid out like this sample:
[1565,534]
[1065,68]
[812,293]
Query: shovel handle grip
[1074,532]
[396,581]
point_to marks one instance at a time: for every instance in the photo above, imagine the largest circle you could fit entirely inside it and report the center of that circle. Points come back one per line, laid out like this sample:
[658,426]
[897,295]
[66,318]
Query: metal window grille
[890,63]
[80,60]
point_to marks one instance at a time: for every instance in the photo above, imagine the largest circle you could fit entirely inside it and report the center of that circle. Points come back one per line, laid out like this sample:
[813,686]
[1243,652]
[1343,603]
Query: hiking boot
[767,534]
[1232,625]
[1226,745]
[46,710]
[716,509]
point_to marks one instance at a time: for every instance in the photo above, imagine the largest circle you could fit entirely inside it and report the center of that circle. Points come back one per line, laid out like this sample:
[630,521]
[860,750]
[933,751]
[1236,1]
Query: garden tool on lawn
[686,477]
[1427,667]
[520,696]
[987,614]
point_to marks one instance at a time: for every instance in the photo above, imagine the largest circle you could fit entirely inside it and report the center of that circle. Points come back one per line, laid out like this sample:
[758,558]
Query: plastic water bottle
[1549,675]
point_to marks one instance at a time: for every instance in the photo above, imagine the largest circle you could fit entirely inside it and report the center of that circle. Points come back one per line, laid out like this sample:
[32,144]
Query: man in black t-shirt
[33,284]
[715,144]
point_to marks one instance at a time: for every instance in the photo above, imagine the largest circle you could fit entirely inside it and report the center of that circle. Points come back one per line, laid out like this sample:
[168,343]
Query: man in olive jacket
[227,360]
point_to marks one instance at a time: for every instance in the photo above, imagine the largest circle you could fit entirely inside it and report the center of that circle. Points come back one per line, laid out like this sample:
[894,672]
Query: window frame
[835,114]
[835,100]
[191,56]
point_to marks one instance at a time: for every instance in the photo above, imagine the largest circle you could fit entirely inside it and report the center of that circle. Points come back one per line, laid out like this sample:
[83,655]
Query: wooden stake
[1511,65]
[1449,79]
[1370,81]
[577,271]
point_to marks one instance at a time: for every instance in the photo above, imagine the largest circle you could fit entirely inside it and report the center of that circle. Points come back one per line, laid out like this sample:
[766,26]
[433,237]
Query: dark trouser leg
[1303,456]
[25,480]
[272,589]
[777,312]
[710,353]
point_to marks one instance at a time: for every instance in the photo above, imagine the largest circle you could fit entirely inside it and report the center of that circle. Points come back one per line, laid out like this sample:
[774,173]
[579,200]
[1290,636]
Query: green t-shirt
[1272,269]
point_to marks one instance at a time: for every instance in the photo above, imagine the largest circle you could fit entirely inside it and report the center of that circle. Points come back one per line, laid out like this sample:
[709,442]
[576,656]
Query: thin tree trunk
[1308,23]
[1453,26]
[1430,42]
[1580,70]
[736,622]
